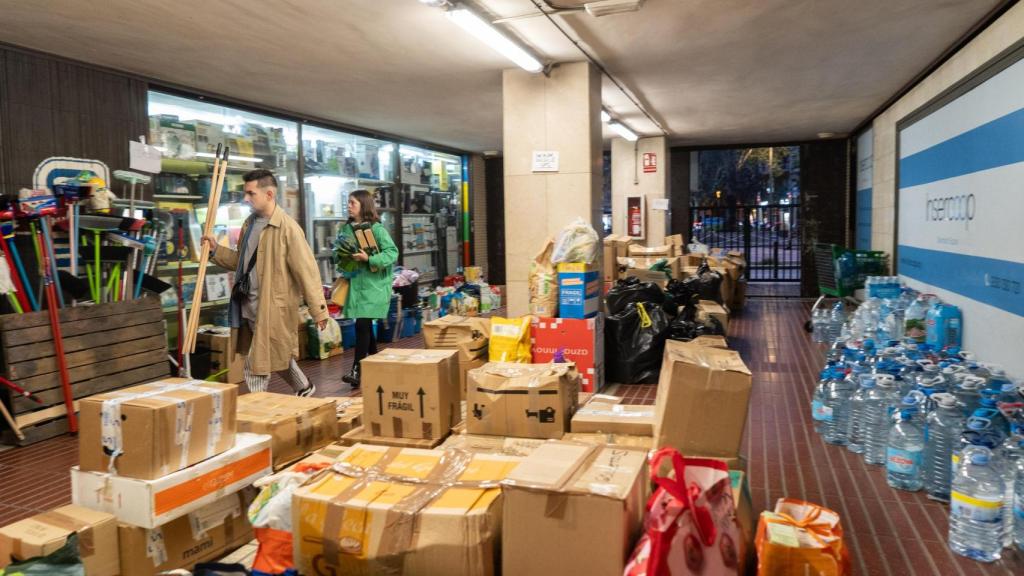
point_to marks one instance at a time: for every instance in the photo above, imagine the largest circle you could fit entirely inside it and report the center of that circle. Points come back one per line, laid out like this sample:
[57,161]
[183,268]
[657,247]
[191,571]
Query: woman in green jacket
[370,275]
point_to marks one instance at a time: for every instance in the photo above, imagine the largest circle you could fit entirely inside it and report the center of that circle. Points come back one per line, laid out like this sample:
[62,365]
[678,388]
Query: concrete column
[559,113]
[631,178]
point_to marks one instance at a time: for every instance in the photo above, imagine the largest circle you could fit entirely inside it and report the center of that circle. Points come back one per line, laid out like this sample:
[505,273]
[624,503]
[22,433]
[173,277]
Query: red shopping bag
[690,525]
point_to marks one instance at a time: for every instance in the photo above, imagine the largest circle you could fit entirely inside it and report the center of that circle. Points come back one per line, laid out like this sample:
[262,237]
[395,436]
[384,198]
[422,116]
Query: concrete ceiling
[709,71]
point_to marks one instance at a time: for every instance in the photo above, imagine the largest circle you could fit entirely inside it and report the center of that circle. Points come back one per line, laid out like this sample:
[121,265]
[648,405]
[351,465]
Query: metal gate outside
[768,235]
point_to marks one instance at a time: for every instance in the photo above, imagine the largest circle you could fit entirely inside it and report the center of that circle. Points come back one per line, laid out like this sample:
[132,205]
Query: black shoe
[352,378]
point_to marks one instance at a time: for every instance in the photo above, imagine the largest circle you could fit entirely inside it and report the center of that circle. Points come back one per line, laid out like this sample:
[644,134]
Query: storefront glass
[431,205]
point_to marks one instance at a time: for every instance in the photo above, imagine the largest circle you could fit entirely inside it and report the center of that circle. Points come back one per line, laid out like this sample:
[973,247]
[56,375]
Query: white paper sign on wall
[659,204]
[545,161]
[143,158]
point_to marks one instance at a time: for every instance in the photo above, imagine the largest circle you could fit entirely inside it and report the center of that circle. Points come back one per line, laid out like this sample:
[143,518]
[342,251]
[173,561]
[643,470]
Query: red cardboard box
[581,341]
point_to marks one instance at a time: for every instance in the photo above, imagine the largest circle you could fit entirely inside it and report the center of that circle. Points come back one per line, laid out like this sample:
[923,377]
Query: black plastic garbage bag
[686,330]
[708,283]
[631,289]
[635,343]
[683,291]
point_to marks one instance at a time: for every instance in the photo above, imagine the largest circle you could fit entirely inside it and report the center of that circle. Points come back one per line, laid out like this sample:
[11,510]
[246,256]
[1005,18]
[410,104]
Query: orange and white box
[152,503]
[581,341]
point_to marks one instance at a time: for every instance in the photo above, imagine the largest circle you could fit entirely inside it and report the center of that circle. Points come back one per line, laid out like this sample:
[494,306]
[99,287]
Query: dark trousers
[366,344]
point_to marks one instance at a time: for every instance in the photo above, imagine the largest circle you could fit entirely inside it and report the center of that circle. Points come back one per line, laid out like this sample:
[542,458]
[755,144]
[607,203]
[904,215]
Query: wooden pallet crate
[107,346]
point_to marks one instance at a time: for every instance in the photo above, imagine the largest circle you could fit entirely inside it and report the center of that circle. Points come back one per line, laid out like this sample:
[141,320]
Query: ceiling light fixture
[605,117]
[621,130]
[824,135]
[491,36]
[609,7]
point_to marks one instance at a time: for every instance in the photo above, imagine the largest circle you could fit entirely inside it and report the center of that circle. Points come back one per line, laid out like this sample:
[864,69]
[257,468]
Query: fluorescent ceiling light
[232,157]
[490,35]
[605,117]
[609,7]
[621,130]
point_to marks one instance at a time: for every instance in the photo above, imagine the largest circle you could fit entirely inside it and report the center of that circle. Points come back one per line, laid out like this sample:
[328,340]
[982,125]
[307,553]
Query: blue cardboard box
[579,290]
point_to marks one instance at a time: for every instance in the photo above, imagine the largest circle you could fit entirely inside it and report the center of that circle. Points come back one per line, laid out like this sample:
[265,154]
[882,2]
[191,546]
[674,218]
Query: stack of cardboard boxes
[159,482]
[468,335]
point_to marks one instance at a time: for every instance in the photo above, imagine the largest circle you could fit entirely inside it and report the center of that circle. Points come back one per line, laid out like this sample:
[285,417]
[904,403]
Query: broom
[220,167]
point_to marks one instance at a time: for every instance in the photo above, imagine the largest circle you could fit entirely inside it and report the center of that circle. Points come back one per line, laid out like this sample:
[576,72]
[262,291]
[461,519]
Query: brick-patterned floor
[889,532]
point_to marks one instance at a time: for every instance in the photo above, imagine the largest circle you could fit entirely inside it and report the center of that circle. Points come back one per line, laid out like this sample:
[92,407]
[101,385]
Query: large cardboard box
[472,354]
[574,509]
[519,447]
[395,511]
[411,393]
[581,342]
[579,290]
[642,442]
[447,332]
[712,309]
[677,243]
[297,425]
[349,412]
[636,265]
[223,356]
[703,396]
[523,400]
[711,341]
[362,435]
[151,503]
[200,536]
[663,251]
[45,533]
[159,427]
[628,419]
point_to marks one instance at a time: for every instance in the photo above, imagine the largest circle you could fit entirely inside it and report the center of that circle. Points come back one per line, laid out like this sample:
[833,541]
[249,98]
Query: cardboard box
[223,356]
[200,536]
[663,251]
[574,509]
[579,290]
[711,341]
[519,447]
[151,503]
[739,299]
[408,520]
[447,332]
[581,342]
[297,425]
[677,243]
[703,396]
[160,427]
[472,354]
[522,400]
[411,393]
[634,265]
[361,435]
[349,412]
[628,419]
[45,533]
[642,442]
[711,309]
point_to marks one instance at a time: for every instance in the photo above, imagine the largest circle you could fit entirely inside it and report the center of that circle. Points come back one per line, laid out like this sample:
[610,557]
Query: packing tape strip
[156,548]
[57,519]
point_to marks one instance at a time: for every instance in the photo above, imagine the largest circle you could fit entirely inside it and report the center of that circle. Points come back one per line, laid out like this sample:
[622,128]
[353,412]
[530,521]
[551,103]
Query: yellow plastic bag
[510,340]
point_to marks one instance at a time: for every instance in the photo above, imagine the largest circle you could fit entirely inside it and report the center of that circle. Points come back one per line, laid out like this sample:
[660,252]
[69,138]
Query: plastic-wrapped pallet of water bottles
[897,389]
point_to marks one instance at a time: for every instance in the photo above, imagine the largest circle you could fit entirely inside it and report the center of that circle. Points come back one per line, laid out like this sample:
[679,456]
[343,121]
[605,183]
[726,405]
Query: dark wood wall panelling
[53,107]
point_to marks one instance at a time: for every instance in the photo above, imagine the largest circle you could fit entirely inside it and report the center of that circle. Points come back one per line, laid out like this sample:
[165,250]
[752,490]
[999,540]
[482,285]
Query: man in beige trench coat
[274,271]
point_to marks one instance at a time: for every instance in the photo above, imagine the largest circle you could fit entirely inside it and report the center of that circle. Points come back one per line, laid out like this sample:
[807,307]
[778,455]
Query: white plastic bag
[577,242]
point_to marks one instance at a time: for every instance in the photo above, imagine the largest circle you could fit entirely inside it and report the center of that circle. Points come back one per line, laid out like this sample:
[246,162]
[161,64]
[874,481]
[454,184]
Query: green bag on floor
[64,562]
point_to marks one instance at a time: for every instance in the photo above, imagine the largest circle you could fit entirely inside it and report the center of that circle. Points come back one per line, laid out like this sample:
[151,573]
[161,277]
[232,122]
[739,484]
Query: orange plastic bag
[801,538]
[274,555]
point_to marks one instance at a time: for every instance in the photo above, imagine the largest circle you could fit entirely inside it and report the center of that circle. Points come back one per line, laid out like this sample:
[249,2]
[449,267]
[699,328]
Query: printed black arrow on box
[421,394]
[380,399]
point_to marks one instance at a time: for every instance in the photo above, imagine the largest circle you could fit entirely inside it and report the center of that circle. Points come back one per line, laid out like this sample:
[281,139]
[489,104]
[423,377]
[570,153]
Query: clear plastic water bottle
[976,507]
[1018,505]
[1012,455]
[915,402]
[942,432]
[837,401]
[977,432]
[968,393]
[878,409]
[855,434]
[904,454]
[822,414]
[837,317]
[914,328]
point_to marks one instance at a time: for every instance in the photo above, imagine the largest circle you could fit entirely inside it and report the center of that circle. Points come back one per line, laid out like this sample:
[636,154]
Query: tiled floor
[889,532]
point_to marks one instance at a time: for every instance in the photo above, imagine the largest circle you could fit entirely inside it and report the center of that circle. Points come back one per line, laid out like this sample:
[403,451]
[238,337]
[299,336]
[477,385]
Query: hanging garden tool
[58,342]
[26,295]
[220,167]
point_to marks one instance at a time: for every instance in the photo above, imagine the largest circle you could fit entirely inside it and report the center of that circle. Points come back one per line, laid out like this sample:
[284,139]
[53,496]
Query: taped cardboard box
[151,503]
[628,419]
[624,440]
[573,509]
[472,354]
[349,412]
[297,425]
[703,396]
[663,251]
[200,536]
[677,243]
[712,309]
[361,435]
[447,332]
[519,447]
[411,393]
[522,400]
[158,428]
[222,355]
[396,511]
[711,341]
[635,265]
[45,533]
[580,341]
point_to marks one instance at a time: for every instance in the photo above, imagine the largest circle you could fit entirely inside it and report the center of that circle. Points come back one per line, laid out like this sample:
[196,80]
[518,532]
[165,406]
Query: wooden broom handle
[220,166]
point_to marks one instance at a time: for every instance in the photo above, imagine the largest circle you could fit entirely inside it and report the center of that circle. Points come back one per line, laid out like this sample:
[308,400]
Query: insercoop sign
[960,196]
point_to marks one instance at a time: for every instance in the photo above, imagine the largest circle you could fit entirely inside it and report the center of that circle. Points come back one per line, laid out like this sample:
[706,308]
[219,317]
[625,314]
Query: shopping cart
[841,272]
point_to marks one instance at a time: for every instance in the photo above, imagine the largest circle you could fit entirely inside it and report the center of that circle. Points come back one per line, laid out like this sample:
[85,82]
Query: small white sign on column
[545,161]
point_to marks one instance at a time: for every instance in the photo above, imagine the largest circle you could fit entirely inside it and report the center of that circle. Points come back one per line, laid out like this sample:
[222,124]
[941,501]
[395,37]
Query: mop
[220,166]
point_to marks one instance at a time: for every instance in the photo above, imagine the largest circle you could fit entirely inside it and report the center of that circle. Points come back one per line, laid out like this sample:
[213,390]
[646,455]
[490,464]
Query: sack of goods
[544,283]
[801,538]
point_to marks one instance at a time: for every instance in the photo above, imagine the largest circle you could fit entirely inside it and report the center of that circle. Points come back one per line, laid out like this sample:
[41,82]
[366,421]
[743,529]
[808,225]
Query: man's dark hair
[265,178]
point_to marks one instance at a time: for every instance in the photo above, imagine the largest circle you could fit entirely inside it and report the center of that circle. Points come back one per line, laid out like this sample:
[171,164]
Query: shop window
[431,204]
